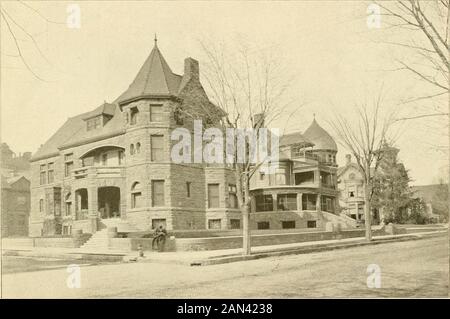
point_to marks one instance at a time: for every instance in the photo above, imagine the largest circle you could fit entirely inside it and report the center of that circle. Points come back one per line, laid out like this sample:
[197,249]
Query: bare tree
[249,85]
[427,35]
[10,18]
[365,138]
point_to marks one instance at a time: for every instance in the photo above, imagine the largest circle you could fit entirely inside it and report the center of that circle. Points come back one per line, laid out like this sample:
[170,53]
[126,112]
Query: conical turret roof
[321,139]
[154,78]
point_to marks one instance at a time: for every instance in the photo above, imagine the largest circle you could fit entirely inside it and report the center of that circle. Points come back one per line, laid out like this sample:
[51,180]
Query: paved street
[416,268]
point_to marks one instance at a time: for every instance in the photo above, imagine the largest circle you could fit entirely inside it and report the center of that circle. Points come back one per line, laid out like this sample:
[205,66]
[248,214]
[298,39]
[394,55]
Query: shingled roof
[154,78]
[321,139]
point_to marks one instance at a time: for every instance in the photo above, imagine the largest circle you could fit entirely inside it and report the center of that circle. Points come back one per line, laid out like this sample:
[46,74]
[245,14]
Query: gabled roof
[15,179]
[105,108]
[154,78]
[342,169]
[321,139]
[74,132]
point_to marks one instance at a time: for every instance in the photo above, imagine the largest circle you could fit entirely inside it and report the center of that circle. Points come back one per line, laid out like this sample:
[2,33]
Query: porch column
[299,202]
[93,207]
[317,178]
[318,208]
[123,202]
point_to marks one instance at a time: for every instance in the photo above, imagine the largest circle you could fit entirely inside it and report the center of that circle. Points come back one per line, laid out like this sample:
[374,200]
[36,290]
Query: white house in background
[351,189]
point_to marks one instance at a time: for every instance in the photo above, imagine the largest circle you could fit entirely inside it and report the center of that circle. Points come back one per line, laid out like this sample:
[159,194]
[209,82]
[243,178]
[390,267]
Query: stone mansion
[114,163]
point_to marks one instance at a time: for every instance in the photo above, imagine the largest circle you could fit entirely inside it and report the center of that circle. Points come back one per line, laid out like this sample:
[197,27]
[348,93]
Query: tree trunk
[246,239]
[367,214]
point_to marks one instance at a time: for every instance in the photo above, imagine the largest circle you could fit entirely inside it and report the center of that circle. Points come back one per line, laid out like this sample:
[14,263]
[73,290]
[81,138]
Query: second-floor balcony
[98,172]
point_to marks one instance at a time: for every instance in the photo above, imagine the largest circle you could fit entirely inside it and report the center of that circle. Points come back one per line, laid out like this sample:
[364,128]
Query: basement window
[311,224]
[288,224]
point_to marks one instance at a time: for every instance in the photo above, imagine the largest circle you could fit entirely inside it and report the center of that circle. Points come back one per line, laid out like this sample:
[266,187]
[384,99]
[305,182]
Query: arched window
[351,176]
[136,195]
[132,149]
[138,147]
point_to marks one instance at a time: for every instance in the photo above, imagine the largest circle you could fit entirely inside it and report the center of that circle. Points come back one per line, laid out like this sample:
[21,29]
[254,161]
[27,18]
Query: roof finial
[314,115]
[156,40]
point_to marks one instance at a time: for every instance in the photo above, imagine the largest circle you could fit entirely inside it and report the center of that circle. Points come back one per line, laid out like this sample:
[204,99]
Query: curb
[306,250]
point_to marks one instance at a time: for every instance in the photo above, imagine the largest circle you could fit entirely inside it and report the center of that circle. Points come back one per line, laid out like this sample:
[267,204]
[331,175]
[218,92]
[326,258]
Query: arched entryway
[109,202]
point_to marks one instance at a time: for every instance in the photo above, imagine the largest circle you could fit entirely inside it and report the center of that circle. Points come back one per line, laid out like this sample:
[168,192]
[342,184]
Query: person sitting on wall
[159,237]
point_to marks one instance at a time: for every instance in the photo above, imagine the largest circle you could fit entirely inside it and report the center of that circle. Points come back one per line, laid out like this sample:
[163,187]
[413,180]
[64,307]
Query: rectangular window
[50,173]
[68,157]
[188,189]
[156,113]
[93,123]
[263,225]
[309,201]
[327,204]
[121,157]
[157,147]
[261,176]
[304,178]
[264,203]
[105,159]
[287,202]
[158,222]
[42,178]
[288,224]
[41,205]
[311,224]
[213,196]
[232,192]
[235,223]
[326,179]
[68,167]
[214,223]
[158,193]
[68,208]
[134,115]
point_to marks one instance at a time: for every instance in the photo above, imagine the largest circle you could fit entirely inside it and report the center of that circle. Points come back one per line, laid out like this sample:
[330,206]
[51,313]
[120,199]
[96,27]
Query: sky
[336,60]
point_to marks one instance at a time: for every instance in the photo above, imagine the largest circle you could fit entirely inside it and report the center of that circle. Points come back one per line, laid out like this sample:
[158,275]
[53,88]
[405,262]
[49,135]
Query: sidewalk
[210,257]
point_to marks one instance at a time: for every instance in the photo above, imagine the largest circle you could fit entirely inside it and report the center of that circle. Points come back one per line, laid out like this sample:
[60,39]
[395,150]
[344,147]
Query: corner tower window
[156,113]
[134,115]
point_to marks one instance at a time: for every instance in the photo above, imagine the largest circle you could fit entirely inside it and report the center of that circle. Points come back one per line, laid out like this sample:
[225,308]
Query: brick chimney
[191,69]
[348,159]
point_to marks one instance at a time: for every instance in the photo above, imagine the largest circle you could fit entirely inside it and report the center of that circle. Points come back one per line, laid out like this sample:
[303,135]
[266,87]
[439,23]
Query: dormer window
[94,123]
[133,115]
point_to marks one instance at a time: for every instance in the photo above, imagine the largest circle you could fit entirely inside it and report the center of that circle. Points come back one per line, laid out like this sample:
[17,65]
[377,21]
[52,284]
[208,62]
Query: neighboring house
[13,164]
[15,192]
[115,162]
[15,204]
[303,190]
[351,189]
[434,198]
